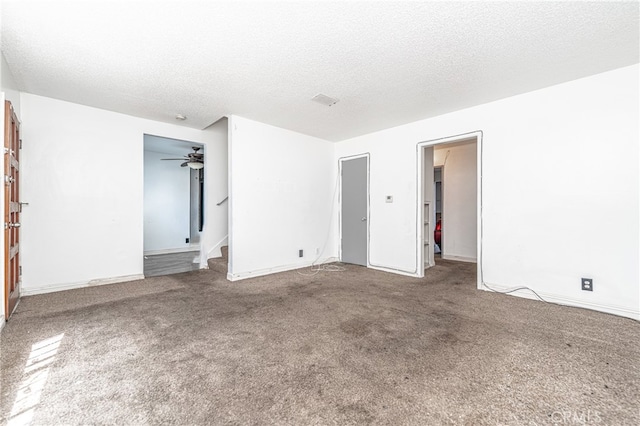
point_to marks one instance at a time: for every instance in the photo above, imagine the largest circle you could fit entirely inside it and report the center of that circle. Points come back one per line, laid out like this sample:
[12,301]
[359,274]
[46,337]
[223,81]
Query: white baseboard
[268,271]
[30,291]
[566,301]
[459,258]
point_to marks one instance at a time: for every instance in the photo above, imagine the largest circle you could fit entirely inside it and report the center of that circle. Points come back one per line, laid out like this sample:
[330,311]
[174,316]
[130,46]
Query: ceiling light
[195,165]
[181,117]
[324,99]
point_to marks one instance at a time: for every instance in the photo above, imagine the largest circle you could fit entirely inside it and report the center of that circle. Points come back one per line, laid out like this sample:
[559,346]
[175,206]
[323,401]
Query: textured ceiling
[388,63]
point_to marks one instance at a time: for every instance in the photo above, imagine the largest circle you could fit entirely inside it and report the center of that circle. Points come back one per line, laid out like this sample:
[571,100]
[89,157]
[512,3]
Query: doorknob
[364,219]
[14,225]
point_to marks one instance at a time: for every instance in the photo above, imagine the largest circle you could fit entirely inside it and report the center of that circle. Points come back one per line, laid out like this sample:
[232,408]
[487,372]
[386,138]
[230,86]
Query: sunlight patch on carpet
[34,379]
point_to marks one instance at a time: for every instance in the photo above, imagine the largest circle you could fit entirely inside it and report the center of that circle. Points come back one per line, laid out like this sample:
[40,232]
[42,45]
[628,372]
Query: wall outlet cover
[300,253]
[587,284]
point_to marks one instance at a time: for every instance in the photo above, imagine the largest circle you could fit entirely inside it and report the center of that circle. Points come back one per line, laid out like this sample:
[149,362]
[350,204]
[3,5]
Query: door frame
[340,161]
[478,135]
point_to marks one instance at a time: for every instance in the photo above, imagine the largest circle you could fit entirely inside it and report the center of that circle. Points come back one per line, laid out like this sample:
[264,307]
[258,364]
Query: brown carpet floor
[353,347]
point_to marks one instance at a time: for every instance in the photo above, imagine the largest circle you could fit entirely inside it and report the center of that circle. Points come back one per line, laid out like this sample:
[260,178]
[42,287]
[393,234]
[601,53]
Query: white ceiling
[388,63]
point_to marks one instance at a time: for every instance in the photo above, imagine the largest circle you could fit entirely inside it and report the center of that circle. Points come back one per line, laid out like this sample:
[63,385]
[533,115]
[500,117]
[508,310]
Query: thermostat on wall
[389,199]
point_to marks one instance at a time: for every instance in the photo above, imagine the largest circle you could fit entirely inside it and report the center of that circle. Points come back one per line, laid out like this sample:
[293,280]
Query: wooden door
[12,270]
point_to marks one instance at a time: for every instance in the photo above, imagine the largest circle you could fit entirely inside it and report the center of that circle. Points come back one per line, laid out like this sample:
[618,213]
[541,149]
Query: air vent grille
[324,99]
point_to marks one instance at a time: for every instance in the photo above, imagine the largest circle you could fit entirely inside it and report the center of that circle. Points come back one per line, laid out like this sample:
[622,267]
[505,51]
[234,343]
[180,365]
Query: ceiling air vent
[324,99]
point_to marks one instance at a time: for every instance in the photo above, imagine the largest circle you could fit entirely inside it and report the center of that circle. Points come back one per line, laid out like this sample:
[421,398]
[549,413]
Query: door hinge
[20,143]
[20,270]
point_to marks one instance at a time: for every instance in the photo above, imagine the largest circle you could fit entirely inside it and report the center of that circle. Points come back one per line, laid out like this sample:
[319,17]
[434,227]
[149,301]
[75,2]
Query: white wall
[9,86]
[167,196]
[82,171]
[459,224]
[281,189]
[559,189]
[392,226]
[216,184]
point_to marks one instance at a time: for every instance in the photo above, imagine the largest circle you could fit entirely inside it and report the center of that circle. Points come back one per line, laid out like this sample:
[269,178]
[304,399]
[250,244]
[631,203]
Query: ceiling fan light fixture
[195,165]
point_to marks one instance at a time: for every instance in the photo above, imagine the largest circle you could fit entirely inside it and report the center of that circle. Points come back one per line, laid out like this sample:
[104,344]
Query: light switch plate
[389,199]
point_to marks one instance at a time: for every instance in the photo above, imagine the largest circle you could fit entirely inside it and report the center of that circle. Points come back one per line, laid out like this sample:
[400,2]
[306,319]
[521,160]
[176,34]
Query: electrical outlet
[587,284]
[186,240]
[300,253]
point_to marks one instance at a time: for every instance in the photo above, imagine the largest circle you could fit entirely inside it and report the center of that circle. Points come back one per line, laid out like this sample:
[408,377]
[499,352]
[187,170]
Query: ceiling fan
[194,159]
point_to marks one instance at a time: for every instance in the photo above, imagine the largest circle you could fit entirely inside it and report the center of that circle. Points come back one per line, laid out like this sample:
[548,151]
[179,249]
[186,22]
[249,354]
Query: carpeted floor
[353,347]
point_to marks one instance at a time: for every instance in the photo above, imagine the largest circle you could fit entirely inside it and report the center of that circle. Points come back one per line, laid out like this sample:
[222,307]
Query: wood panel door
[12,270]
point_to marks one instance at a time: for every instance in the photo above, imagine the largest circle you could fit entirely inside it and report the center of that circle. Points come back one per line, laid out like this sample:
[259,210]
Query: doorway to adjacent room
[173,205]
[449,193]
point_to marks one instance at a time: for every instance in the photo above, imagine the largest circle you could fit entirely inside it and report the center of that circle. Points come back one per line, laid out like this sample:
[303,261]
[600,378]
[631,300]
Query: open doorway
[450,191]
[173,205]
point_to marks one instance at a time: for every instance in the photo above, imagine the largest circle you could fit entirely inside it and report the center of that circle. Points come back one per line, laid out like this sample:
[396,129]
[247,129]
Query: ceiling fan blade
[184,164]
[181,159]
